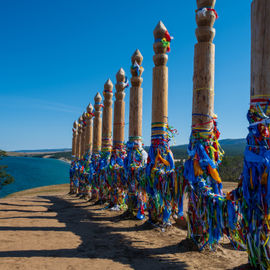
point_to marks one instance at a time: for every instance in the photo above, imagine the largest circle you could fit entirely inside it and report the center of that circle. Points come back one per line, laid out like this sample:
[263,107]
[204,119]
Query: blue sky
[56,54]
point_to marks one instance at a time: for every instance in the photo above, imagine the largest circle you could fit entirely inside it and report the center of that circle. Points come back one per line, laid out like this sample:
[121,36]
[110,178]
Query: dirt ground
[46,229]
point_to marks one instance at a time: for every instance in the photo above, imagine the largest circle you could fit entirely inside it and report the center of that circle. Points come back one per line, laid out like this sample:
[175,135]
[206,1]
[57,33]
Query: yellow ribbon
[197,168]
[164,161]
[251,181]
[264,177]
[214,174]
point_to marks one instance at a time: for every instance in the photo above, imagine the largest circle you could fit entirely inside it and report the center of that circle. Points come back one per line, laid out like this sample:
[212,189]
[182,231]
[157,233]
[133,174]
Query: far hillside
[43,150]
[232,147]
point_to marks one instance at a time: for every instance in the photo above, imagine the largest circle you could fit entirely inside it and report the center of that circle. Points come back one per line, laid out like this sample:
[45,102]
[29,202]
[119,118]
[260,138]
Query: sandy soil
[46,229]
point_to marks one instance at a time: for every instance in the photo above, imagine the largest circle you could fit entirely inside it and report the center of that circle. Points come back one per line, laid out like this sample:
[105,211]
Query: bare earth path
[46,229]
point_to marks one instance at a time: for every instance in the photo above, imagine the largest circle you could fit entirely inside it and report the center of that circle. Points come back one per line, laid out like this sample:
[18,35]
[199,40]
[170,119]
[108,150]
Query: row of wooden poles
[89,137]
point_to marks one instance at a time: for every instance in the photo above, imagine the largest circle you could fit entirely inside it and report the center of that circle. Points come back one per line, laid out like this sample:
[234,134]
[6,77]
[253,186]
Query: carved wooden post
[136,156]
[204,66]
[84,117]
[160,161]
[89,130]
[160,79]
[119,110]
[205,155]
[74,139]
[118,154]
[256,181]
[77,141]
[79,138]
[135,100]
[107,117]
[260,50]
[73,158]
[97,125]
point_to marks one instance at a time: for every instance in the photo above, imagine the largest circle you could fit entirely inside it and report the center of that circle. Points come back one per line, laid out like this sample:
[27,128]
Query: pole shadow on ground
[85,224]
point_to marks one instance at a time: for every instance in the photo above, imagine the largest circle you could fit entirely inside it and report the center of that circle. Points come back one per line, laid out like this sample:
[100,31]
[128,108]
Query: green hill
[232,147]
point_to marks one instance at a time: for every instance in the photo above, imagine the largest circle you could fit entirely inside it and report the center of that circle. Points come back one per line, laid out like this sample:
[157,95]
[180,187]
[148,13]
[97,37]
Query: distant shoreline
[64,160]
[45,155]
[61,159]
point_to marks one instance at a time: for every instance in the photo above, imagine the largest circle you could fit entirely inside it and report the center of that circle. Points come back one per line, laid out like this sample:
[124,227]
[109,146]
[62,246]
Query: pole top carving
[136,69]
[121,84]
[98,104]
[137,57]
[108,92]
[120,76]
[108,85]
[89,109]
[84,116]
[161,45]
[205,19]
[75,128]
[80,124]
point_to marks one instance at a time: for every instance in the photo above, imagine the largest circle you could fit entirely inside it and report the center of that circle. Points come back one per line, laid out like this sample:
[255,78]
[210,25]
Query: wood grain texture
[160,78]
[136,97]
[119,109]
[260,49]
[97,130]
[107,116]
[74,139]
[89,130]
[204,67]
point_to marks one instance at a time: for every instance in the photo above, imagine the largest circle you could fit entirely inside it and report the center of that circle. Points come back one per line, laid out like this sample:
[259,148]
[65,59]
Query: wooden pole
[79,138]
[107,117]
[135,100]
[84,117]
[255,177]
[160,79]
[74,139]
[89,130]
[204,66]
[260,49]
[204,137]
[160,161]
[97,131]
[136,191]
[119,110]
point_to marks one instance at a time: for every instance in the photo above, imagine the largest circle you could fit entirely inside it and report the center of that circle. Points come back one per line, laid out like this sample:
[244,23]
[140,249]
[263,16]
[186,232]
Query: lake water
[34,172]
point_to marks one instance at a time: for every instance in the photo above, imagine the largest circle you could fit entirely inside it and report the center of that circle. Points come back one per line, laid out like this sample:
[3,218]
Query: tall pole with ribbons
[79,141]
[72,171]
[255,182]
[74,140]
[106,148]
[205,221]
[136,155]
[119,152]
[97,137]
[89,130]
[160,162]
[97,134]
[107,119]
[83,146]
